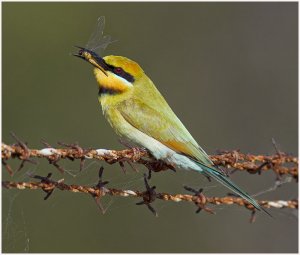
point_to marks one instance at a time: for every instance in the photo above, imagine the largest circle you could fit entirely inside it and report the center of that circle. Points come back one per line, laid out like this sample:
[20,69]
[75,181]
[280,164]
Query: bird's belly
[162,152]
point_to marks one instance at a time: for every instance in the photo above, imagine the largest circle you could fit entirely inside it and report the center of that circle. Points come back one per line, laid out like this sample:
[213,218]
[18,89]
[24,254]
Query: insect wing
[97,40]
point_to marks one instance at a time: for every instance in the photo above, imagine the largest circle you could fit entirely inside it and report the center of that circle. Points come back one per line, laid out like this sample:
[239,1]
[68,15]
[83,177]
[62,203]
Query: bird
[137,111]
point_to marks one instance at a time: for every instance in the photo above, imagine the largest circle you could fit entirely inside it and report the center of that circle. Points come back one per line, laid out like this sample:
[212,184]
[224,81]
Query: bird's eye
[118,70]
[80,52]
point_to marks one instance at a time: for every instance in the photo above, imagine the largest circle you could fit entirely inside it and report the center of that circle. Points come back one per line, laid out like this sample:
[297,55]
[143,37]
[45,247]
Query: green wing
[163,125]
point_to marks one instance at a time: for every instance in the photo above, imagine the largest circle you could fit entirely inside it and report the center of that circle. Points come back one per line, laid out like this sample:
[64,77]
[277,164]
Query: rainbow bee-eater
[137,111]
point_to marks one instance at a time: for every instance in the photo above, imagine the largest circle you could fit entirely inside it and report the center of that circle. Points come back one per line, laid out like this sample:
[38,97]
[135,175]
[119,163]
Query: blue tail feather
[223,179]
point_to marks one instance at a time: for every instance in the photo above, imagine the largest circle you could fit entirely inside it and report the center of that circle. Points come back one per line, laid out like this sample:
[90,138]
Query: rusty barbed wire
[148,196]
[280,163]
[95,191]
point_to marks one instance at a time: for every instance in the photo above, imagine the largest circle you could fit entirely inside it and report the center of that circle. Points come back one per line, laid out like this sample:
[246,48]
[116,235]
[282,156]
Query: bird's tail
[223,179]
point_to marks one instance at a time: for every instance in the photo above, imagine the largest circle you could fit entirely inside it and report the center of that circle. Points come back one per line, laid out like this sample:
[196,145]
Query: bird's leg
[156,166]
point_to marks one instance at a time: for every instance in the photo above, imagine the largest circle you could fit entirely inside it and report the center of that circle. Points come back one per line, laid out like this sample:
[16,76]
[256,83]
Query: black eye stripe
[127,76]
[120,72]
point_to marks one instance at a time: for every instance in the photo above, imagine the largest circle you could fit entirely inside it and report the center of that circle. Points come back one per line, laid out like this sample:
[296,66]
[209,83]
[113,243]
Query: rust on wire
[280,163]
[25,157]
[148,196]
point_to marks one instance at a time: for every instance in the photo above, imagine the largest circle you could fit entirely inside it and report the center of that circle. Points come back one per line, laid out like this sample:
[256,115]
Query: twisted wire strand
[100,192]
[280,163]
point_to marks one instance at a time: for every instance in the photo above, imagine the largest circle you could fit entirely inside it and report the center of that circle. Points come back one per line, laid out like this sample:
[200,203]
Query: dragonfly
[98,42]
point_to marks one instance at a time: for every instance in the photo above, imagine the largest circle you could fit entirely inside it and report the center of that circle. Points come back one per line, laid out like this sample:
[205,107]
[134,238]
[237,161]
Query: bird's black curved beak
[92,58]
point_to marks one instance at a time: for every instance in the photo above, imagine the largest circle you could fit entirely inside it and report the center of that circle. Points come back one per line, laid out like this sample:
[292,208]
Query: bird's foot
[156,166]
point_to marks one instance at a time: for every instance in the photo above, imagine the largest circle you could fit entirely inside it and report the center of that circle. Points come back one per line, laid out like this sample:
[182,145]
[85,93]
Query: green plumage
[141,113]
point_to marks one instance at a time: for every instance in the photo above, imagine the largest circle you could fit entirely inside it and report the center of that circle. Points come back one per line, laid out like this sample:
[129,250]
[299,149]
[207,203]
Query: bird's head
[114,74]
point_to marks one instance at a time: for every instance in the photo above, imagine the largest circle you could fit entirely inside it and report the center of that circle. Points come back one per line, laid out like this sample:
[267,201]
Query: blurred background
[228,70]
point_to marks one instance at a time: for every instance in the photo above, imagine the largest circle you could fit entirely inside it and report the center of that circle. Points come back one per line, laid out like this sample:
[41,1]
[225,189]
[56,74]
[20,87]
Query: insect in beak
[92,58]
